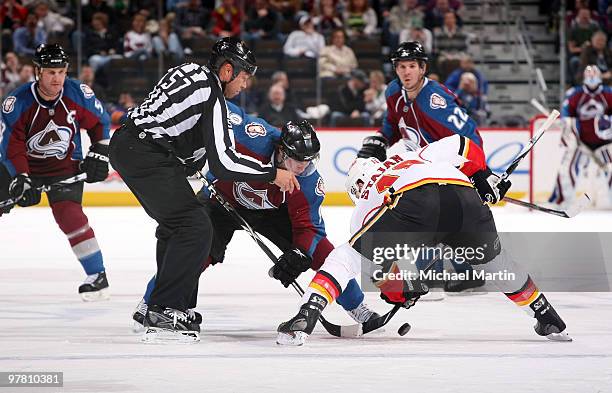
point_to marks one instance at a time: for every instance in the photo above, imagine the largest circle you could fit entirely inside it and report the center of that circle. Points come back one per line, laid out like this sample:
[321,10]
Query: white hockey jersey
[447,161]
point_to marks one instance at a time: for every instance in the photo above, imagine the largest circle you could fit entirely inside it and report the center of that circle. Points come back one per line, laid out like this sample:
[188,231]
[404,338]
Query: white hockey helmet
[358,175]
[592,77]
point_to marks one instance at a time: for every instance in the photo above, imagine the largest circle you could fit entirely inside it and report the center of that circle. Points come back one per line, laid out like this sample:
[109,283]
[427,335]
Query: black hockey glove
[374,146]
[23,189]
[290,265]
[95,163]
[489,186]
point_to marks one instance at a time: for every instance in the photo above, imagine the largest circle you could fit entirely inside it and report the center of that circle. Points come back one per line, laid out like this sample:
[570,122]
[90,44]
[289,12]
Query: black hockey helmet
[299,141]
[234,51]
[410,50]
[50,56]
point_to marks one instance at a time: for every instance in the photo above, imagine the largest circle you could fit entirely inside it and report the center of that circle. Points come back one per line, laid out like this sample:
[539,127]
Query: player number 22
[458,118]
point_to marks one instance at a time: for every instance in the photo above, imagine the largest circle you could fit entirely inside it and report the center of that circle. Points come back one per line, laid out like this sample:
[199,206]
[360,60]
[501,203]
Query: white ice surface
[462,344]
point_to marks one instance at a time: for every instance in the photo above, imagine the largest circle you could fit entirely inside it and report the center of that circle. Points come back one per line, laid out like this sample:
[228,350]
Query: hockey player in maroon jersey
[40,144]
[426,197]
[587,135]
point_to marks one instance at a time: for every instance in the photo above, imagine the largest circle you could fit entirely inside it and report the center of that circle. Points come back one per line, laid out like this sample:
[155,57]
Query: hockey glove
[290,265]
[397,291]
[374,146]
[24,191]
[95,163]
[489,186]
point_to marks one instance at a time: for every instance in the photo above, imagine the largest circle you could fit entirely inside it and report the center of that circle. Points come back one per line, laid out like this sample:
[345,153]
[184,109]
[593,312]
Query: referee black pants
[184,232]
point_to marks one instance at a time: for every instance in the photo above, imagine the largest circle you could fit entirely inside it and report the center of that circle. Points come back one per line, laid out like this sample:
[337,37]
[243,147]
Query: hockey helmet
[410,50]
[592,77]
[299,142]
[358,176]
[50,56]
[235,52]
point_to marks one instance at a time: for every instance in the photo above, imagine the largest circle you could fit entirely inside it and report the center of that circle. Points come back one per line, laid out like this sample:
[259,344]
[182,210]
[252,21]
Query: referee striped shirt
[187,112]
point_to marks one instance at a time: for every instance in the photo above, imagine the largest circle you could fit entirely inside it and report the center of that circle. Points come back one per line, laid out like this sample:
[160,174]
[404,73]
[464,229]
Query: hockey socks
[73,222]
[323,284]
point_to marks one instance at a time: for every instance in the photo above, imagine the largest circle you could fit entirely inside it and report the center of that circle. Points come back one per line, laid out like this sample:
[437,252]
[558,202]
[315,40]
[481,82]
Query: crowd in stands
[321,37]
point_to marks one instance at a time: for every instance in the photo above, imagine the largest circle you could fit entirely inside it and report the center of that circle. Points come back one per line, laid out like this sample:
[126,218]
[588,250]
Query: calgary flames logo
[53,141]
[251,198]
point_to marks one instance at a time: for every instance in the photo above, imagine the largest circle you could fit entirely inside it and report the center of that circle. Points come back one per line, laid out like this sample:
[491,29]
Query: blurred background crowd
[323,60]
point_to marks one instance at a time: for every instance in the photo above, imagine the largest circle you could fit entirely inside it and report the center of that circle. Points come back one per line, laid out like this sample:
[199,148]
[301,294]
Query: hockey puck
[405,328]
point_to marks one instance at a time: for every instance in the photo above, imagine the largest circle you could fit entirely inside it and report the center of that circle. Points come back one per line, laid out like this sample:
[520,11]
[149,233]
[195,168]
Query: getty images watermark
[425,257]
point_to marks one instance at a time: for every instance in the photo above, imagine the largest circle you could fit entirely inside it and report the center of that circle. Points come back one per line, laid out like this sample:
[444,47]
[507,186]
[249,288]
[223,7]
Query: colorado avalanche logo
[53,141]
[9,104]
[436,101]
[251,198]
[320,187]
[253,130]
[410,136]
[591,109]
[234,118]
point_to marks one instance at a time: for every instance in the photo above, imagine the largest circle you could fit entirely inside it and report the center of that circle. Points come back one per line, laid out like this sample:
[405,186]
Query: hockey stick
[70,180]
[333,329]
[582,202]
[549,121]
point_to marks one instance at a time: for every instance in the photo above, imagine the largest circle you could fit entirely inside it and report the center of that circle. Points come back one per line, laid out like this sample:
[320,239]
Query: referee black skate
[174,132]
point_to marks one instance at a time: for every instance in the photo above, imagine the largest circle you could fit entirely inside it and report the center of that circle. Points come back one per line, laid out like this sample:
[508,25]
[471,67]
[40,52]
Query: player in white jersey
[416,200]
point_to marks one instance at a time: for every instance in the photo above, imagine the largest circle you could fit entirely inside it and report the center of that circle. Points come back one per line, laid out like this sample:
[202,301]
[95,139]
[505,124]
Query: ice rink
[462,344]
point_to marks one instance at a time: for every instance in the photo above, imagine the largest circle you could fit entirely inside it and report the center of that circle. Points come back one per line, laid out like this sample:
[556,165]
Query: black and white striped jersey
[186,111]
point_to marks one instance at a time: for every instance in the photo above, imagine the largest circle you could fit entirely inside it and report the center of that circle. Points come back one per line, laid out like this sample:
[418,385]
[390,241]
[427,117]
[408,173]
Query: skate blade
[165,336]
[96,296]
[434,296]
[296,339]
[559,337]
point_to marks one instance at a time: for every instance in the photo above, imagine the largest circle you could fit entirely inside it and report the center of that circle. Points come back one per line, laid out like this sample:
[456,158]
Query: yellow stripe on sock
[533,297]
[322,291]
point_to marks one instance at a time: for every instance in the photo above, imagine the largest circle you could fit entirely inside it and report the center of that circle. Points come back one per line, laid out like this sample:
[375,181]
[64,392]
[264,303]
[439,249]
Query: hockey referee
[182,124]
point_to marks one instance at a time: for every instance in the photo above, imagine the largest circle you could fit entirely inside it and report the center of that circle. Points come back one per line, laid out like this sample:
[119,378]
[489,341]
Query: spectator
[95,6]
[580,34]
[100,42]
[226,20]
[277,111]
[9,71]
[192,21]
[119,110]
[27,38]
[304,42]
[420,34]
[261,21]
[327,18]
[600,55]
[474,103]
[404,16]
[26,74]
[351,99]
[466,64]
[53,23]
[287,8]
[137,42]
[360,19]
[450,44]
[337,59]
[167,42]
[374,96]
[435,17]
[290,96]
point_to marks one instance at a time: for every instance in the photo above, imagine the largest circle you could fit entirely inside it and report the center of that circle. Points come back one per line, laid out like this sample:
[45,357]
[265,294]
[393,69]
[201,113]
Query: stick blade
[579,205]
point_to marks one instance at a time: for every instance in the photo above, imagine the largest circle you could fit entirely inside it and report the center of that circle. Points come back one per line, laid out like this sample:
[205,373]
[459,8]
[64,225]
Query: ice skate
[167,325]
[141,310]
[362,313]
[296,330]
[549,324]
[94,288]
